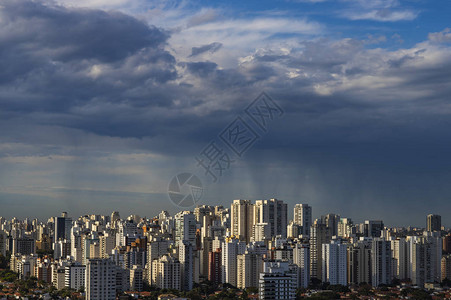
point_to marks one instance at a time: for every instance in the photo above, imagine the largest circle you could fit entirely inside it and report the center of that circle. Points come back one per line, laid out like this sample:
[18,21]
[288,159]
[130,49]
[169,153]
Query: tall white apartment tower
[273,212]
[425,256]
[303,217]
[335,263]
[319,235]
[107,244]
[249,267]
[261,232]
[242,219]
[400,253]
[231,248]
[166,272]
[186,258]
[100,279]
[359,262]
[76,243]
[301,257]
[155,248]
[381,262]
[185,227]
[436,239]
[75,276]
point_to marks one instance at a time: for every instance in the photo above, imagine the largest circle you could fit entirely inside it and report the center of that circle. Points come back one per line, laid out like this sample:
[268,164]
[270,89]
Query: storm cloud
[213,47]
[102,105]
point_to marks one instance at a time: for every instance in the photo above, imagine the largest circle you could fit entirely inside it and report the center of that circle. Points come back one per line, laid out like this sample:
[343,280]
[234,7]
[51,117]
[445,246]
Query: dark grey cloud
[72,67]
[34,35]
[359,123]
[135,91]
[398,62]
[212,48]
[202,69]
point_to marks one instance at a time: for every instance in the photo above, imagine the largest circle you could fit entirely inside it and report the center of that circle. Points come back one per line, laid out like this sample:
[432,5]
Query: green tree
[8,276]
[3,262]
[193,295]
[315,283]
[419,294]
[65,292]
[338,288]
[325,295]
[365,290]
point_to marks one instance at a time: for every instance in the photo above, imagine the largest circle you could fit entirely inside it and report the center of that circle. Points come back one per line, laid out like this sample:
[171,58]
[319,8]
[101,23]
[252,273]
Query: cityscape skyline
[247,249]
[290,215]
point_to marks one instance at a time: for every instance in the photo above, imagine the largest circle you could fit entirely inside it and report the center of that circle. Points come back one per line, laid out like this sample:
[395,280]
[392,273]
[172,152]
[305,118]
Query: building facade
[100,279]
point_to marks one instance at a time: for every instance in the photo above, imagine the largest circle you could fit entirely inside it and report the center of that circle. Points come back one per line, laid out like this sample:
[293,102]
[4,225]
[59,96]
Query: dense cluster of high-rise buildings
[246,245]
